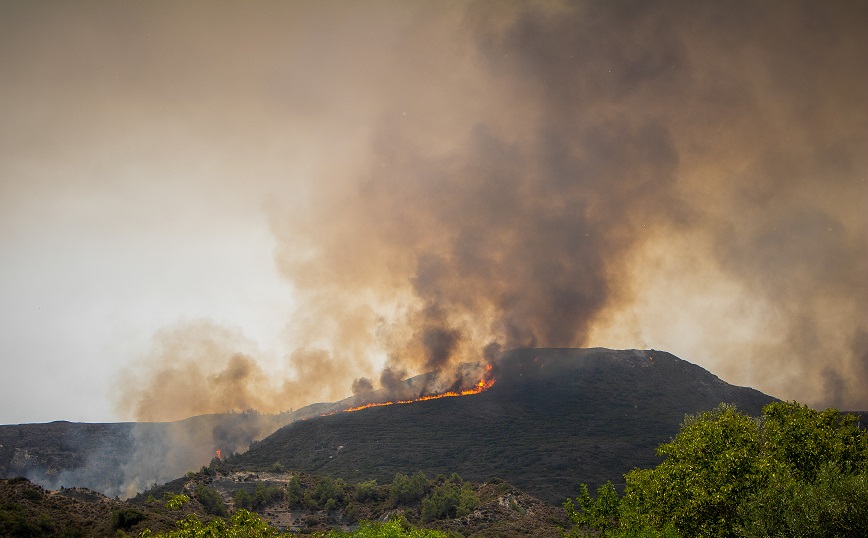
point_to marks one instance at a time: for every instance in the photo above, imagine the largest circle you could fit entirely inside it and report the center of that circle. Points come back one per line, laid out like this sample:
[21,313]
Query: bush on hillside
[408,490]
[242,523]
[453,498]
[125,518]
[211,500]
[258,497]
[328,494]
[398,528]
[367,491]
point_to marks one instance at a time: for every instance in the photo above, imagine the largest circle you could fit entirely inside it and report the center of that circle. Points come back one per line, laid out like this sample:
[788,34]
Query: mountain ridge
[555,418]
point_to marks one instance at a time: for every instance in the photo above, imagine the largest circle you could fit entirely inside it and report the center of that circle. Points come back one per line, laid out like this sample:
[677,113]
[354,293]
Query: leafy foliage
[406,489]
[242,524]
[794,471]
[14,522]
[398,528]
[175,502]
[295,492]
[211,500]
[600,513]
[262,496]
[710,466]
[32,494]
[805,440]
[328,494]
[125,518]
[367,491]
[454,498]
[834,504]
[245,524]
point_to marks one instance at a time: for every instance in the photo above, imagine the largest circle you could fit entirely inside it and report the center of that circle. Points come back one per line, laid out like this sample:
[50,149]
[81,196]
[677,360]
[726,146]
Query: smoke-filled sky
[208,206]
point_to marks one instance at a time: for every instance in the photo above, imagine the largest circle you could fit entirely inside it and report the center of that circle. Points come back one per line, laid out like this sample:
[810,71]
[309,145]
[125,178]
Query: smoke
[122,459]
[689,176]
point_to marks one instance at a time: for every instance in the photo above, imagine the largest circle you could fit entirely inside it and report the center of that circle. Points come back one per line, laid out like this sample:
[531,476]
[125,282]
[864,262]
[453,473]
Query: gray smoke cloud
[684,175]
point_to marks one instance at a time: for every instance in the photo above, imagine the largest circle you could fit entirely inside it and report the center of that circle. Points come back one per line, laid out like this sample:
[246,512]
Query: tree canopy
[793,471]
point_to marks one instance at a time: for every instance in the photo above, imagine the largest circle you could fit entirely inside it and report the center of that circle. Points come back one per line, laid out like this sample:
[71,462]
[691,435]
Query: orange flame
[219,457]
[482,385]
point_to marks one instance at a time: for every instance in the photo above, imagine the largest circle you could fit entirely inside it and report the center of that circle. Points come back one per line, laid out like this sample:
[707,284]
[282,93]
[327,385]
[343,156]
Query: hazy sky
[226,205]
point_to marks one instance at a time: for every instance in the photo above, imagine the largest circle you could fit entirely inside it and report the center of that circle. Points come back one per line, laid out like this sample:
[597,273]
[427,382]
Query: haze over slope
[122,459]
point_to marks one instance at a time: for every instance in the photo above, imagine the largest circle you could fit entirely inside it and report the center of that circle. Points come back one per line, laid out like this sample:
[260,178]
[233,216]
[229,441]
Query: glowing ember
[482,385]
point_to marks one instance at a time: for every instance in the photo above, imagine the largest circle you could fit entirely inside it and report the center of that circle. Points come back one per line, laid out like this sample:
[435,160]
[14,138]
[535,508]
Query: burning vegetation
[481,386]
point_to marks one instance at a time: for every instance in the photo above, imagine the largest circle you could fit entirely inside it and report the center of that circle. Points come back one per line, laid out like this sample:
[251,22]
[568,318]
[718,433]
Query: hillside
[120,459]
[554,418]
[295,502]
[27,509]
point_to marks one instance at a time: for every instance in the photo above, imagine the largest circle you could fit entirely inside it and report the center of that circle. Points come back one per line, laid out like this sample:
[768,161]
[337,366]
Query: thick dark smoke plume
[680,175]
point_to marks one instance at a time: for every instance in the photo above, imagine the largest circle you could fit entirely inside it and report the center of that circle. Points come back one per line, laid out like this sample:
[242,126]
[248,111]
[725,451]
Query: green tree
[243,499]
[125,518]
[328,494]
[175,502]
[834,504]
[710,466]
[600,514]
[407,490]
[265,495]
[367,491]
[793,471]
[295,492]
[454,498]
[211,500]
[803,440]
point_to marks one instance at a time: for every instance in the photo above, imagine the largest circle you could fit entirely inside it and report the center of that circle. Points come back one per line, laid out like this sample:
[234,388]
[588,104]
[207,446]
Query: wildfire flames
[481,386]
[219,457]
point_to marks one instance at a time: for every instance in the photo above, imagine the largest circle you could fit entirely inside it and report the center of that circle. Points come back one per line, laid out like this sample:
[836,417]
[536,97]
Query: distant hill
[554,418]
[121,459]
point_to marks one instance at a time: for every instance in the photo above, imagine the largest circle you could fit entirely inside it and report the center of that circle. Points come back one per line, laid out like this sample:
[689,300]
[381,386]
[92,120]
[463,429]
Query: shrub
[397,528]
[211,500]
[242,524]
[174,502]
[407,490]
[243,499]
[125,518]
[295,492]
[31,494]
[14,522]
[328,494]
[599,514]
[449,500]
[367,491]
[262,496]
